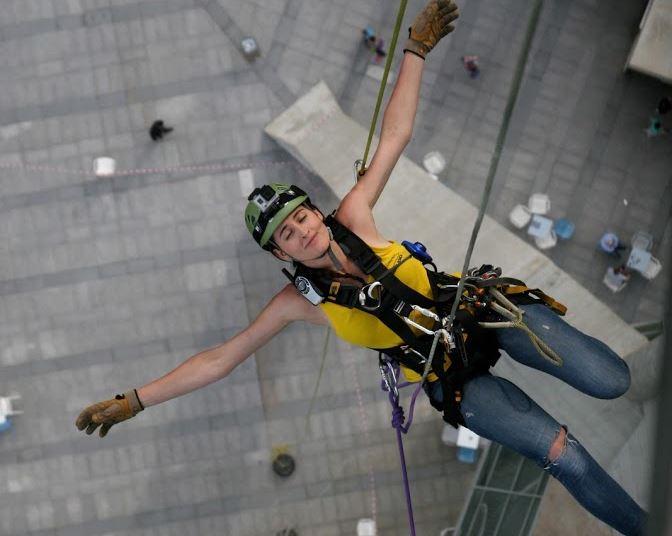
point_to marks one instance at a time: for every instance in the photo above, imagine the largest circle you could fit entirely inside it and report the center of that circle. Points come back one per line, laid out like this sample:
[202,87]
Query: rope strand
[383,82]
[501,137]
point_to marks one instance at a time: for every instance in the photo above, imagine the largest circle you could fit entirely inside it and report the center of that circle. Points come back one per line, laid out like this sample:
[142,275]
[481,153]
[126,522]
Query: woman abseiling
[365,293]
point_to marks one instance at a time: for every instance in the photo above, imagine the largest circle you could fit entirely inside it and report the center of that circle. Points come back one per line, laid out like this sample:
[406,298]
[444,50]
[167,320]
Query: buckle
[389,377]
[367,300]
[399,307]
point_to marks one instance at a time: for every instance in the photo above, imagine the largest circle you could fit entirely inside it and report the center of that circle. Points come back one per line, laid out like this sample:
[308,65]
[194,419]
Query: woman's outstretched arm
[204,367]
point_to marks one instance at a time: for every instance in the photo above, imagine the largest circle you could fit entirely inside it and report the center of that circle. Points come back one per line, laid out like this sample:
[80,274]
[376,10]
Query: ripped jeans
[496,409]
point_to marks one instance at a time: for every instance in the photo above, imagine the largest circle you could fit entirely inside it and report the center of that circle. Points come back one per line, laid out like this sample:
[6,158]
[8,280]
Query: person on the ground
[282,219]
[158,130]
[369,36]
[471,65]
[655,128]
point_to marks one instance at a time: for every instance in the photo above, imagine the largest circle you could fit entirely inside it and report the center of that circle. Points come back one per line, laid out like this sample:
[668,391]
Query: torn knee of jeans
[558,447]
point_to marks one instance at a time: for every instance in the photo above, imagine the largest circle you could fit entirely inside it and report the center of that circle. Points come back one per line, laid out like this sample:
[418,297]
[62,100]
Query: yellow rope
[515,316]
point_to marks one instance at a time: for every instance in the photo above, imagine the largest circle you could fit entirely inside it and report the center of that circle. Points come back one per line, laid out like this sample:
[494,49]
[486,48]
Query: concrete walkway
[106,284]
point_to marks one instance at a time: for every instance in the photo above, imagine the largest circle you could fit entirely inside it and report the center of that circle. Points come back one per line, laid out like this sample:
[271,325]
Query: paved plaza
[107,283]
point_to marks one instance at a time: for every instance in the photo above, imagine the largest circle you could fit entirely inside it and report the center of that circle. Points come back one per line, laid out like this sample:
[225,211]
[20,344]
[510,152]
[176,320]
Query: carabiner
[389,377]
[359,172]
[366,293]
[418,326]
[426,312]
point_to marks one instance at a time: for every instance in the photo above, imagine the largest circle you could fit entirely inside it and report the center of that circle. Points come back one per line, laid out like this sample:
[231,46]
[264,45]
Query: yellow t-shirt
[364,329]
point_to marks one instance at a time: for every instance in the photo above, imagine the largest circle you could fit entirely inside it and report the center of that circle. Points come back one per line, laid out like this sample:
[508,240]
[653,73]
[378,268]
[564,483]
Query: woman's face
[302,235]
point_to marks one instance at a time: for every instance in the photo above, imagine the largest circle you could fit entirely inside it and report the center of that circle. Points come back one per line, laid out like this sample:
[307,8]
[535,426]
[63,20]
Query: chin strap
[332,255]
[334,259]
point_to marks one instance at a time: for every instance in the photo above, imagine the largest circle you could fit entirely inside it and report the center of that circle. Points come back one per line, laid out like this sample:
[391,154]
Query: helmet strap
[334,259]
[332,255]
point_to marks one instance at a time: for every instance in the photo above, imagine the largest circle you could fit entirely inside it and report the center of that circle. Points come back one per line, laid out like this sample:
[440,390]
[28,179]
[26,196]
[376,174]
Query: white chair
[434,162]
[366,527]
[614,281]
[539,204]
[652,269]
[449,435]
[7,409]
[642,240]
[548,241]
[467,445]
[520,216]
[104,166]
[7,406]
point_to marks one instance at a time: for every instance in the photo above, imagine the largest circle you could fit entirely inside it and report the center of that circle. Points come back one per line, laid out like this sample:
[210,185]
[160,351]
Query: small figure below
[374,43]
[158,129]
[369,36]
[380,52]
[610,243]
[471,65]
[616,278]
[664,106]
[655,128]
[622,270]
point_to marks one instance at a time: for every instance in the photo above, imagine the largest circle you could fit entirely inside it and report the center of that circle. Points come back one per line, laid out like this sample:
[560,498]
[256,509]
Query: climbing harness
[465,341]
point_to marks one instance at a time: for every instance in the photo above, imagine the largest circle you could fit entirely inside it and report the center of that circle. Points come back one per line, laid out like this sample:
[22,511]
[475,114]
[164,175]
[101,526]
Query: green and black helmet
[268,207]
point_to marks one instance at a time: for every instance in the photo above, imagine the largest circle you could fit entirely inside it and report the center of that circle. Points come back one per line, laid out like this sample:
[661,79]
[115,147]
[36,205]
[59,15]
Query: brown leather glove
[107,413]
[431,24]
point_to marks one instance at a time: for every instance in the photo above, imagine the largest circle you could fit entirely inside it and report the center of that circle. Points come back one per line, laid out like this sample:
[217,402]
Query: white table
[638,259]
[540,226]
[5,408]
[466,438]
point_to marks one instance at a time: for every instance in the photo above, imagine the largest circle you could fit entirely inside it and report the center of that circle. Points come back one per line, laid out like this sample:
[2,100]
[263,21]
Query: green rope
[513,95]
[383,82]
[325,347]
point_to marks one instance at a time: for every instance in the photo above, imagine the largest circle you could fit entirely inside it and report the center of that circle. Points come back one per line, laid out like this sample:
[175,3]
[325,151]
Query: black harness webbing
[364,257]
[475,346]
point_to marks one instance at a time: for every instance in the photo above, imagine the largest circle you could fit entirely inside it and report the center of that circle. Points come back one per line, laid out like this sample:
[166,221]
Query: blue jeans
[496,409]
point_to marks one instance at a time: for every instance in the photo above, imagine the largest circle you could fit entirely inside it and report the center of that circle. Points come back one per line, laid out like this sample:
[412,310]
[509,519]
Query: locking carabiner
[365,293]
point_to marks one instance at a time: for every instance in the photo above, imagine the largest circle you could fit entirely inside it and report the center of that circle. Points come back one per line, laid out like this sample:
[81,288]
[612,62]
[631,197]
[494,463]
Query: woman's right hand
[107,413]
[430,25]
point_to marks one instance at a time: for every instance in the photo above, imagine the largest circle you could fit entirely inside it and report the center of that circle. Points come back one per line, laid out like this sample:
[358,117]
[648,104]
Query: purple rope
[398,425]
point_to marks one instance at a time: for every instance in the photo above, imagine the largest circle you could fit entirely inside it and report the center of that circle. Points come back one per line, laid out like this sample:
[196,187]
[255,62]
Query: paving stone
[96,269]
